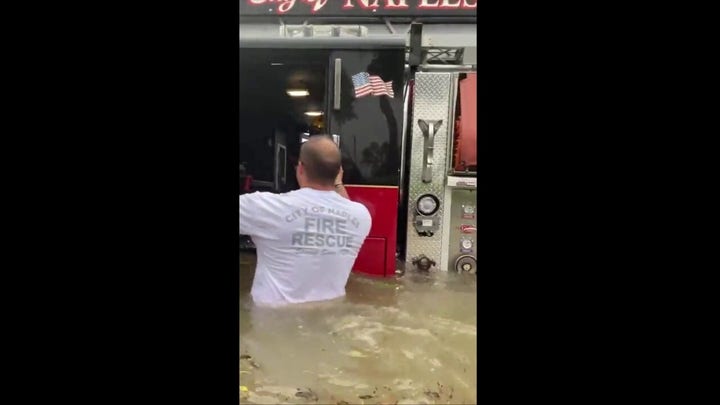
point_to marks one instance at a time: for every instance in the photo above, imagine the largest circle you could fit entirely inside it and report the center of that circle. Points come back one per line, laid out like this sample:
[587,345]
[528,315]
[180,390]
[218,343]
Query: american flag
[365,84]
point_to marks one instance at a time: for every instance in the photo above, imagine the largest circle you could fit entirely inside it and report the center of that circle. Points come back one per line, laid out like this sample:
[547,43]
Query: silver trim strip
[337,84]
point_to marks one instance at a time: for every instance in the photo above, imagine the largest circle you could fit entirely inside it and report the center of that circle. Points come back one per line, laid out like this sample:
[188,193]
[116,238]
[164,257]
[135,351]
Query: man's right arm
[339,186]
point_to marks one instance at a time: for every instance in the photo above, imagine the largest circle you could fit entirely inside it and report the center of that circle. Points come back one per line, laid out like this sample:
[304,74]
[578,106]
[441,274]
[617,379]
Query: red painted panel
[382,202]
[467,142]
[371,259]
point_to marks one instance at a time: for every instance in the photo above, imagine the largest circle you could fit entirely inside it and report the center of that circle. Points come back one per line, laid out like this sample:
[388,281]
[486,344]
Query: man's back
[307,242]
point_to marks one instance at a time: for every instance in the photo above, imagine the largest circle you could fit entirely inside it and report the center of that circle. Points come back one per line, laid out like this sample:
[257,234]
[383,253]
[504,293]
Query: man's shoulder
[257,194]
[359,207]
[359,210]
[266,195]
[260,200]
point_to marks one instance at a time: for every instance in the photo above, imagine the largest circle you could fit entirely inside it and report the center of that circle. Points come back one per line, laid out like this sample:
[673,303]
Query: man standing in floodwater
[306,240]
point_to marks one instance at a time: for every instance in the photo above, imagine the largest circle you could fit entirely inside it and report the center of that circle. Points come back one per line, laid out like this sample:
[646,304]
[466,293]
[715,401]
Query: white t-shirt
[306,240]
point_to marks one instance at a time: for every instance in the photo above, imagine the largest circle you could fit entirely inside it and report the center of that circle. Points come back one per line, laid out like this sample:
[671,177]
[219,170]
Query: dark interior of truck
[282,102]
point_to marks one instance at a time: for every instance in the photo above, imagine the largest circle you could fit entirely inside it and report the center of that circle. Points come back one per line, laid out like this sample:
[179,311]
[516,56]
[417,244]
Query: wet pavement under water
[402,340]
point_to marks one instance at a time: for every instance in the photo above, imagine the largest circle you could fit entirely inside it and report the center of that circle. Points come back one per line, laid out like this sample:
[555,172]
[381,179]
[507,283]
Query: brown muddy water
[403,340]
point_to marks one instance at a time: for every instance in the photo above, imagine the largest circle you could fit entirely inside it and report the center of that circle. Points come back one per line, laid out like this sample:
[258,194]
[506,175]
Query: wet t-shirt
[306,241]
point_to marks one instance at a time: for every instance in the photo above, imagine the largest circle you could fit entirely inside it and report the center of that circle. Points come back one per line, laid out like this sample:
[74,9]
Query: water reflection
[410,340]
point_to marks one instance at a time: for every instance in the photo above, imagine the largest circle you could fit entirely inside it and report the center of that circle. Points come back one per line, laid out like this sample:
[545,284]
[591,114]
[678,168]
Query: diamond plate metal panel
[433,100]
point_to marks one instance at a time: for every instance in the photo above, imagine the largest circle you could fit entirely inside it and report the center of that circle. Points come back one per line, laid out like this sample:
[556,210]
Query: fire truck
[395,84]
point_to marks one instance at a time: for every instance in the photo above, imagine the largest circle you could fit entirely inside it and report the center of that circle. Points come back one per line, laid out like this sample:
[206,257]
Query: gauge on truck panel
[466,264]
[468,212]
[427,204]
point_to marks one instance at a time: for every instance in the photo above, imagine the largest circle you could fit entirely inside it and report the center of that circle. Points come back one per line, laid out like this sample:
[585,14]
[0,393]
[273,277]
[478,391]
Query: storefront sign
[356,8]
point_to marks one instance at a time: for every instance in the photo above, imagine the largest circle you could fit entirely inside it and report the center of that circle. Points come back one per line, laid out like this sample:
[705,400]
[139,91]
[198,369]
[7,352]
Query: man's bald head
[321,159]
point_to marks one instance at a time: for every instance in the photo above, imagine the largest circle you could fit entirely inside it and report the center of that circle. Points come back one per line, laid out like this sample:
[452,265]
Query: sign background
[334,8]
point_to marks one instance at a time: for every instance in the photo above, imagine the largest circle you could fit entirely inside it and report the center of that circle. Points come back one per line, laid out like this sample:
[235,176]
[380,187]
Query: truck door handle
[338,83]
[429,129]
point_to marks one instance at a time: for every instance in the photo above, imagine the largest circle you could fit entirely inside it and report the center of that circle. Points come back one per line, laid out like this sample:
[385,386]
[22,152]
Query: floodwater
[403,340]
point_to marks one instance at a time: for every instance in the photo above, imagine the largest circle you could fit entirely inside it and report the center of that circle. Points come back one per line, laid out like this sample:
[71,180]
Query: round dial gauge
[427,204]
[469,209]
[466,264]
[466,243]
